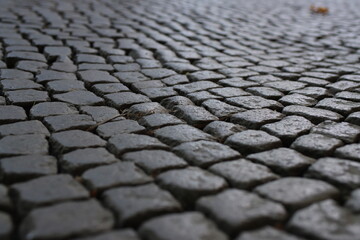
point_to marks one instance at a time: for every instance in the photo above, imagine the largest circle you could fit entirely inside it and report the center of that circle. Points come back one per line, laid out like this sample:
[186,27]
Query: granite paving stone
[157,120]
[126,234]
[110,129]
[189,225]
[68,122]
[24,127]
[242,173]
[45,109]
[114,175]
[74,139]
[26,97]
[13,145]
[241,210]
[78,161]
[134,205]
[22,168]
[64,220]
[205,153]
[344,131]
[267,233]
[63,86]
[325,220]
[340,172]
[126,142]
[251,141]
[77,97]
[191,183]
[256,118]
[46,190]
[221,130]
[155,161]
[175,135]
[295,192]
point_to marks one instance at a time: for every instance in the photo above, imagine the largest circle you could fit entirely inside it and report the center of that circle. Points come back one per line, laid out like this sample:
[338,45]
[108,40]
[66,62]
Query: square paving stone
[220,109]
[189,225]
[100,113]
[350,151]
[95,76]
[69,122]
[46,190]
[195,87]
[78,161]
[296,192]
[347,132]
[134,205]
[66,220]
[125,234]
[7,226]
[155,161]
[289,128]
[194,115]
[240,210]
[110,129]
[353,203]
[297,99]
[142,109]
[130,77]
[326,221]
[157,120]
[18,84]
[45,109]
[251,141]
[199,97]
[254,102]
[255,118]
[10,114]
[95,66]
[354,118]
[172,102]
[205,153]
[229,92]
[191,183]
[238,83]
[26,97]
[243,174]
[5,202]
[61,86]
[314,92]
[125,99]
[74,139]
[267,233]
[284,161]
[265,92]
[341,106]
[23,145]
[107,88]
[114,175]
[79,98]
[285,85]
[50,75]
[157,73]
[15,74]
[122,143]
[175,135]
[157,94]
[340,172]
[221,130]
[315,115]
[205,75]
[175,80]
[316,145]
[22,168]
[23,128]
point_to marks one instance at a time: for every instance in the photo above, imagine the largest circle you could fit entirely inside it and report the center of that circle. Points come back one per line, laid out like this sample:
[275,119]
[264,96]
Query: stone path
[179,120]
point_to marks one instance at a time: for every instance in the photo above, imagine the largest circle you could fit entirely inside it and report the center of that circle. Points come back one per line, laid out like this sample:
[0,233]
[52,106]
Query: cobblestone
[219,100]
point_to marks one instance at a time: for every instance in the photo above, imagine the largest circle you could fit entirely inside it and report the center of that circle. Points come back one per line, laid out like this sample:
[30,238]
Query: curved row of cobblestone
[169,120]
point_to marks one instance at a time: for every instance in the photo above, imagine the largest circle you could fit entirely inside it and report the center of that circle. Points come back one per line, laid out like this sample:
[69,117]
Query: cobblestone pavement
[179,120]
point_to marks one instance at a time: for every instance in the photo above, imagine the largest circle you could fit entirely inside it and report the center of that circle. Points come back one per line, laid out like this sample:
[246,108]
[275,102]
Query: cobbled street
[179,120]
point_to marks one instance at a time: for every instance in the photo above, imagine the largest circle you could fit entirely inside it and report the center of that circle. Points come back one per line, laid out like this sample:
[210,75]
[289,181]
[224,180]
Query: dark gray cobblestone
[197,120]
